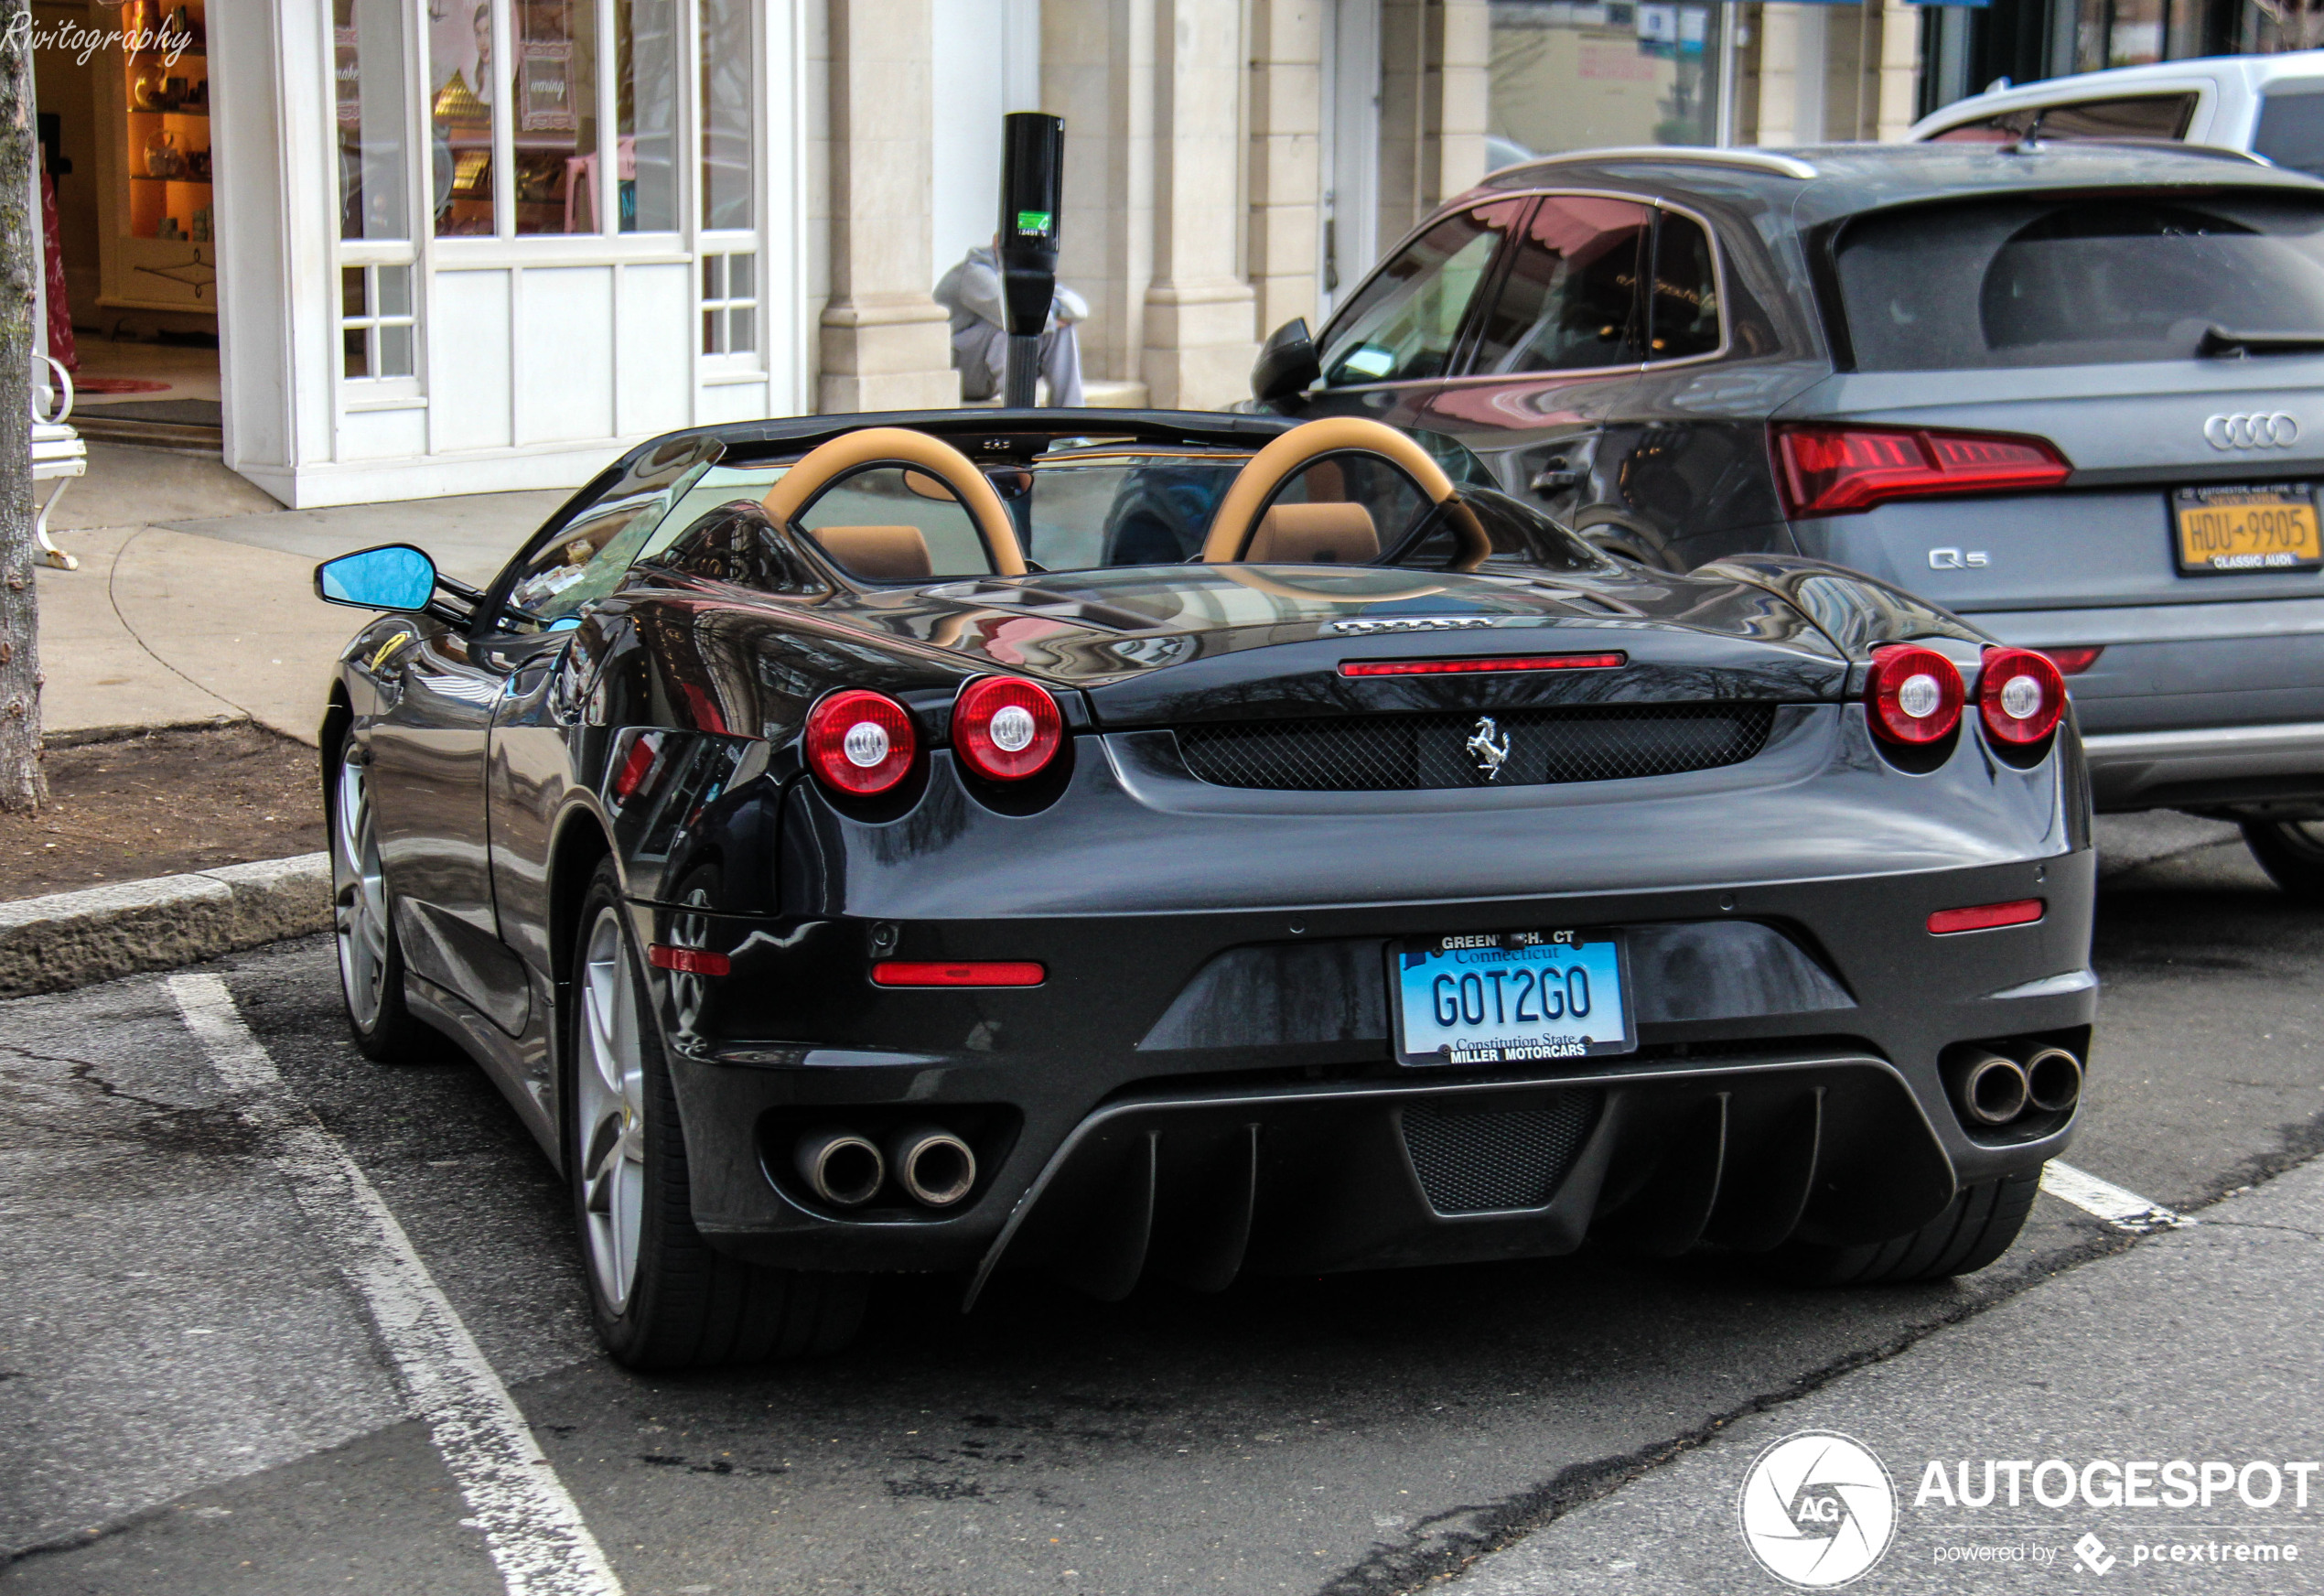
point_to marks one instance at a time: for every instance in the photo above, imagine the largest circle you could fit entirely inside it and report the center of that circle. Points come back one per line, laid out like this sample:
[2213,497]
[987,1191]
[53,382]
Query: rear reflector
[1985,916]
[2073,662]
[1605,662]
[1839,471]
[688,961]
[985,973]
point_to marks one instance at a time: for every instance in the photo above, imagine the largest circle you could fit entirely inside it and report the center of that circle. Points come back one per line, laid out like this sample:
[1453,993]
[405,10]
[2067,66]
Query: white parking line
[535,1534]
[2123,1210]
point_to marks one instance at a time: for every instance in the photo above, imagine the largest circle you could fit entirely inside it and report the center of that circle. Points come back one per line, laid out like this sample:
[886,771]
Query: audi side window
[1569,300]
[1683,318]
[1402,326]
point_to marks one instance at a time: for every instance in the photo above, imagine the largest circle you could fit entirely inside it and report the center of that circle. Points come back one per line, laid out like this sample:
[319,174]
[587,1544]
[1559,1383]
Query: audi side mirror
[393,577]
[1286,364]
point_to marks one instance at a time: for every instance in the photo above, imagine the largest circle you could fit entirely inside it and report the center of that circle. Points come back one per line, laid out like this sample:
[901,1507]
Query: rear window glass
[2078,282]
[2132,116]
[2291,124]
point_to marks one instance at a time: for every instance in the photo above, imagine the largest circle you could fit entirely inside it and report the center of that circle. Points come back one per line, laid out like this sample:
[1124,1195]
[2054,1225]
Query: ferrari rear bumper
[1200,1096]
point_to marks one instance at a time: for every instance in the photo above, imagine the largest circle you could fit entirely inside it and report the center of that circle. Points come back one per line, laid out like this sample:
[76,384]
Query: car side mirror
[1286,363]
[393,577]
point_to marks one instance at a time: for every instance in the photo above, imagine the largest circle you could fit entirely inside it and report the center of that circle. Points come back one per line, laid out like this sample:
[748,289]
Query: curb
[77,939]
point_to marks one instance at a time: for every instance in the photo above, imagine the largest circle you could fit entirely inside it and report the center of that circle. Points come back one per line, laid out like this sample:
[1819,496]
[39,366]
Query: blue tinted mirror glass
[395,578]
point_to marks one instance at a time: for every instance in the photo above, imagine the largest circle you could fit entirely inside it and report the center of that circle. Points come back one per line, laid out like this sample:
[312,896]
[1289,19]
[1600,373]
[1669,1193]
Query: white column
[1286,148]
[1792,67]
[1199,340]
[1097,72]
[885,345]
[1899,68]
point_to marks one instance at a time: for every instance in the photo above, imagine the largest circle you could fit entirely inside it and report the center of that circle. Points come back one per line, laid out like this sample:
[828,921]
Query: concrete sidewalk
[195,598]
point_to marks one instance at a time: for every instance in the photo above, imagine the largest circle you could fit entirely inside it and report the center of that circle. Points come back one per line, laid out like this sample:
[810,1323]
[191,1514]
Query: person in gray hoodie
[971,291]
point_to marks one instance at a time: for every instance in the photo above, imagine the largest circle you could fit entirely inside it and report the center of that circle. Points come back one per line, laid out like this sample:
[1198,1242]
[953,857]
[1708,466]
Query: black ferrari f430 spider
[1136,843]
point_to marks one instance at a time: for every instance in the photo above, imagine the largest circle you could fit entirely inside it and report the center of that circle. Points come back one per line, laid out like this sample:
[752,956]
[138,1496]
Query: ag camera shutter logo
[1818,1510]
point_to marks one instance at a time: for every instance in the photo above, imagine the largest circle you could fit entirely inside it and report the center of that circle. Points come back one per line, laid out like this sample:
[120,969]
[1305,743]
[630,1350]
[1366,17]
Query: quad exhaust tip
[841,1168]
[935,1168]
[2053,1080]
[1990,1089]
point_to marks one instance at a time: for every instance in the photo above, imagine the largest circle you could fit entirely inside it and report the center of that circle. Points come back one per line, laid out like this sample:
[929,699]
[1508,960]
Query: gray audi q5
[2072,392]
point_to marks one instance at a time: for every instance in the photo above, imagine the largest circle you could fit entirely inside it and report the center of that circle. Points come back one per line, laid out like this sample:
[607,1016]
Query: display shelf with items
[160,179]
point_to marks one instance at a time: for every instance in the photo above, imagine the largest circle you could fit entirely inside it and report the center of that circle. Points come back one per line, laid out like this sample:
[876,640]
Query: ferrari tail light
[860,743]
[1986,916]
[1839,471]
[1006,728]
[1913,693]
[2021,694]
[963,973]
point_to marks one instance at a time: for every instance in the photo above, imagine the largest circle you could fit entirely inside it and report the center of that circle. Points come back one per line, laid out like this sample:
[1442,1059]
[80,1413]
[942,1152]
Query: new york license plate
[1506,997]
[2228,530]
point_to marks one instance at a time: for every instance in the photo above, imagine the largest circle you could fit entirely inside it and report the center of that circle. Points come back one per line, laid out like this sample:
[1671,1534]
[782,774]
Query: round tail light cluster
[2021,694]
[1005,729]
[1914,694]
[859,742]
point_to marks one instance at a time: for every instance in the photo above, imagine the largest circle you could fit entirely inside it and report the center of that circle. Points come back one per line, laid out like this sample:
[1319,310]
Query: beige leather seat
[878,553]
[1314,534]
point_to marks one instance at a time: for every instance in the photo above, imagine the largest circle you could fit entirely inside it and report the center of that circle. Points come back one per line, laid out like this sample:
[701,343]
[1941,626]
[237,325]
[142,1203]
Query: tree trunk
[22,785]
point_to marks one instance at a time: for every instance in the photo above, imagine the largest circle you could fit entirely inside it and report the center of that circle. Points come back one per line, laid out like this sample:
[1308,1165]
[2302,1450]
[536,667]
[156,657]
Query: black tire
[2292,853]
[370,956]
[1976,1227]
[680,1304]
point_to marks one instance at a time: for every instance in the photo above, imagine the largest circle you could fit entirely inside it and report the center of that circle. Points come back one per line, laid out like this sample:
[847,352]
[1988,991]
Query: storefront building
[2026,40]
[448,246]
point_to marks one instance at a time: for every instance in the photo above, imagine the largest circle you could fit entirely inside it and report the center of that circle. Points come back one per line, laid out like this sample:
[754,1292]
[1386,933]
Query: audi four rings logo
[2249,432]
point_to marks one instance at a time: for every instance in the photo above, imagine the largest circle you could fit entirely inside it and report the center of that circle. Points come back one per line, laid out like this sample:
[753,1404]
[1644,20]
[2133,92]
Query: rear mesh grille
[1379,752]
[1485,1160]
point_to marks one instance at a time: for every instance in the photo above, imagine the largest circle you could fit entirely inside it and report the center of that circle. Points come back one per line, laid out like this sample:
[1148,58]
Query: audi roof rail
[1783,166]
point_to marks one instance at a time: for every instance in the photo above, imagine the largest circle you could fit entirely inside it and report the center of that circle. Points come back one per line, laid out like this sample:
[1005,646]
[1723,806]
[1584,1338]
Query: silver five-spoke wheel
[359,894]
[611,1118]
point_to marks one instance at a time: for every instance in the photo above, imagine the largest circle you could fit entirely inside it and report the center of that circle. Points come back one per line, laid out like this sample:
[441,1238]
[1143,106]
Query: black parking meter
[1032,190]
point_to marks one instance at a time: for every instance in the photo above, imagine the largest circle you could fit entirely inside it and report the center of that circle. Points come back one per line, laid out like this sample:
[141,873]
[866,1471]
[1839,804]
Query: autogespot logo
[1818,1510]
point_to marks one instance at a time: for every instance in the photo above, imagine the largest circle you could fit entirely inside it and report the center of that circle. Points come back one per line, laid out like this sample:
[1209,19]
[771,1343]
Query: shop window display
[167,87]
[1572,75]
[461,84]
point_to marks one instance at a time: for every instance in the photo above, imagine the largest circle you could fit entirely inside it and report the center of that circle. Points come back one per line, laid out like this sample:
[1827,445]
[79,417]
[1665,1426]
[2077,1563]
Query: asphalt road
[195,1398]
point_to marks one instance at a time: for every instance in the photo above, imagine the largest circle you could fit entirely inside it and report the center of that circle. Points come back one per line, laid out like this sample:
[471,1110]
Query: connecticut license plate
[1513,996]
[2226,530]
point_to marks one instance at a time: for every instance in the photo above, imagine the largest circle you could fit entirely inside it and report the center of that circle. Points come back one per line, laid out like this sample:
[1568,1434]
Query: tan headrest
[878,553]
[1314,534]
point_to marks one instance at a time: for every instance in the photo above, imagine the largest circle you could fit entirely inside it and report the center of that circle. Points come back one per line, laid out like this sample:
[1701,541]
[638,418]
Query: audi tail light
[2021,694]
[1838,470]
[1006,728]
[1914,694]
[2073,662]
[860,743]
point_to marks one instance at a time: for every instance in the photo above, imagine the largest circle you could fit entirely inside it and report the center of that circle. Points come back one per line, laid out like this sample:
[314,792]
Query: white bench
[58,453]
